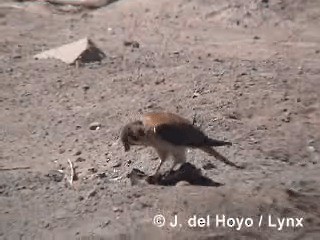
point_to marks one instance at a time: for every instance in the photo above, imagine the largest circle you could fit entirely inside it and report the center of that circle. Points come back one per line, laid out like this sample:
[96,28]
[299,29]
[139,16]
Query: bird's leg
[178,158]
[163,156]
[175,163]
[159,166]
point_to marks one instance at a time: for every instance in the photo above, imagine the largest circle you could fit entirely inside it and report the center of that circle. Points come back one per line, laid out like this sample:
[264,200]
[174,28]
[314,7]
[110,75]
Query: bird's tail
[218,156]
[216,143]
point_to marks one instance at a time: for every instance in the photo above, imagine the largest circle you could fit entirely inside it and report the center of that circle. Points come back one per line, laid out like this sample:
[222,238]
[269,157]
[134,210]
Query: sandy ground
[248,71]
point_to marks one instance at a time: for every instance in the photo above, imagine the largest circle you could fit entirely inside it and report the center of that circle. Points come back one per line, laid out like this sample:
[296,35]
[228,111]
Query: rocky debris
[92,170]
[105,223]
[81,51]
[80,159]
[235,115]
[85,87]
[101,175]
[117,209]
[94,126]
[133,44]
[92,193]
[209,166]
[117,164]
[77,153]
[55,175]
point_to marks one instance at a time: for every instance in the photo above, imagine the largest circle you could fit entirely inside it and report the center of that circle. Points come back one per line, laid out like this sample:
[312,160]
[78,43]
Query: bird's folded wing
[156,119]
[180,134]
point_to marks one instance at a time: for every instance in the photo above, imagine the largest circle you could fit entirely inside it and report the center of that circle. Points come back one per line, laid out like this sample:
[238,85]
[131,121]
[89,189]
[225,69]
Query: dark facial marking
[141,133]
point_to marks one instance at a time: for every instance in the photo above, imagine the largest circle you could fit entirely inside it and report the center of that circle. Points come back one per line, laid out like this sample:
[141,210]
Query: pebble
[77,153]
[55,175]
[208,166]
[117,209]
[102,175]
[85,87]
[61,151]
[92,170]
[311,149]
[94,126]
[134,44]
[105,223]
[117,164]
[80,159]
[92,193]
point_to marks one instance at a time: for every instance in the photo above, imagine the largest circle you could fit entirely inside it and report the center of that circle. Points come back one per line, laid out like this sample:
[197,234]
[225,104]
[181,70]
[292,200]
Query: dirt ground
[246,71]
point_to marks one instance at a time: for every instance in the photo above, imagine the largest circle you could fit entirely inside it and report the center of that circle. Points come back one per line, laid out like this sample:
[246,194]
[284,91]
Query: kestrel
[170,135]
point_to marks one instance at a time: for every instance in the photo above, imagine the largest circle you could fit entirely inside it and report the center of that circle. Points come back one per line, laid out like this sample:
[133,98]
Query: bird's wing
[182,134]
[156,119]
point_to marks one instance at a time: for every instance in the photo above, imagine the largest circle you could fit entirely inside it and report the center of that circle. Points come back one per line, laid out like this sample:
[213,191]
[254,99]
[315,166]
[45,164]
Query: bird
[170,135]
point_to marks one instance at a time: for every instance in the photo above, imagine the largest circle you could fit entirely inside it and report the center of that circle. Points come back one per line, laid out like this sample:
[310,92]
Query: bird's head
[132,134]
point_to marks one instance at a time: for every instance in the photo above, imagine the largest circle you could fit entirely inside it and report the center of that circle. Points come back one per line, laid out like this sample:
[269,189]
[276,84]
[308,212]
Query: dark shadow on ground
[187,173]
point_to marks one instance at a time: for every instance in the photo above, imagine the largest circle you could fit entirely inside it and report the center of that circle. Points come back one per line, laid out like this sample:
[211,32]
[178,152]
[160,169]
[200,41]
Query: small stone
[102,175]
[117,164]
[208,166]
[256,37]
[9,70]
[129,162]
[80,159]
[302,164]
[92,193]
[85,87]
[61,151]
[104,224]
[286,118]
[234,115]
[92,170]
[77,153]
[46,224]
[80,198]
[196,94]
[94,126]
[17,56]
[157,82]
[55,175]
[311,149]
[117,209]
[133,44]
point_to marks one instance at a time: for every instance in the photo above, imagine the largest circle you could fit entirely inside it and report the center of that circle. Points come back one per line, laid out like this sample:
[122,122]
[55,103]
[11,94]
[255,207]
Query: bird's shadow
[187,172]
